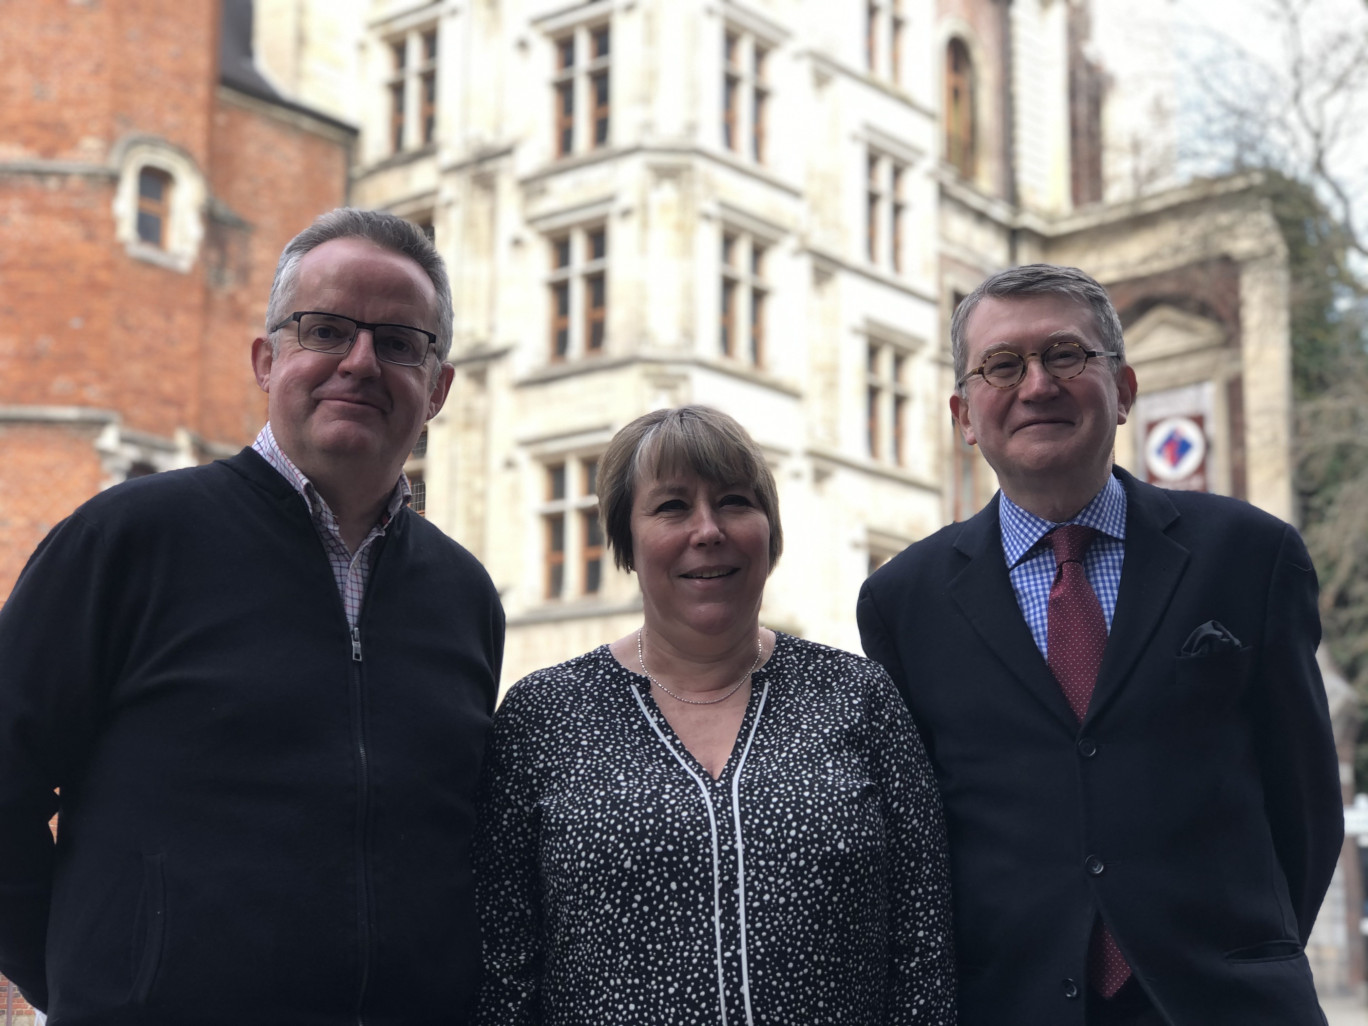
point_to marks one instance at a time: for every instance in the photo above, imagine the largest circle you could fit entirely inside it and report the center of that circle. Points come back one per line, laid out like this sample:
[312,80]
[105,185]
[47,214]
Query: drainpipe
[1009,158]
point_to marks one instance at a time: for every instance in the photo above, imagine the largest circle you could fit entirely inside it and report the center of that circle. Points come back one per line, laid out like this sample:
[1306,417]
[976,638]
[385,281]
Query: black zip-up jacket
[255,824]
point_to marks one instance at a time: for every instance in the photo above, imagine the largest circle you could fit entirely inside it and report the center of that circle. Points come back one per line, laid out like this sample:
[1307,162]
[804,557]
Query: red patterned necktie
[1075,639]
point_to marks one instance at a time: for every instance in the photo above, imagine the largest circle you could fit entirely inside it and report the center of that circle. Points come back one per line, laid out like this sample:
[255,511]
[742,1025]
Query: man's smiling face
[336,415]
[1044,433]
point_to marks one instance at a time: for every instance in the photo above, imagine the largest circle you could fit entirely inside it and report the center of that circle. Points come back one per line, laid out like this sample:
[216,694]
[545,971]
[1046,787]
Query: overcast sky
[1165,53]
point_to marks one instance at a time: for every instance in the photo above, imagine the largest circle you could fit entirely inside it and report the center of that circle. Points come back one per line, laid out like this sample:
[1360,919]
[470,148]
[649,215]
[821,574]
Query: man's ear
[262,358]
[1126,389]
[446,373]
[959,413]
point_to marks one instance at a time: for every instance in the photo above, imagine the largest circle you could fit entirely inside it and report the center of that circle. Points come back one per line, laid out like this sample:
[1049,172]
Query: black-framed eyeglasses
[331,333]
[1006,369]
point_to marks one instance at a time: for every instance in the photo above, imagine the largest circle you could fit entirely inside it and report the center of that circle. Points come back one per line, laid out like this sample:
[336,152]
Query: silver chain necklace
[759,650]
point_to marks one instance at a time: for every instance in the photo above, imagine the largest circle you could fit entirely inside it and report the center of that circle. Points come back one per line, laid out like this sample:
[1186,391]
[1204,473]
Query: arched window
[960,151]
[159,203]
[154,206]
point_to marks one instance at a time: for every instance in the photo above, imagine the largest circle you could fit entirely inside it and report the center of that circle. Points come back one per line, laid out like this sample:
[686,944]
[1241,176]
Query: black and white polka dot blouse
[619,884]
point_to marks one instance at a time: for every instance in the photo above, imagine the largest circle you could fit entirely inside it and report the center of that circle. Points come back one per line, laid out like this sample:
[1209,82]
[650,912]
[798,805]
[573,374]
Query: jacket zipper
[363,816]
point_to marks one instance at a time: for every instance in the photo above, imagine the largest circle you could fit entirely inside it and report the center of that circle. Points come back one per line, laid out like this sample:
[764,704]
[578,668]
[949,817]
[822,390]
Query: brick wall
[79,75]
[13,1002]
[46,471]
[86,325]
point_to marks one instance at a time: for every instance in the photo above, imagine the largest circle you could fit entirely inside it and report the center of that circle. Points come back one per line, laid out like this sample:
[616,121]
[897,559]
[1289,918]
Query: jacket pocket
[1269,951]
[149,928]
[1208,684]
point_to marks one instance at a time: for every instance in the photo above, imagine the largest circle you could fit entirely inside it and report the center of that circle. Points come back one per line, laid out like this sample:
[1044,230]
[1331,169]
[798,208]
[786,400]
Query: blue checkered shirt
[1031,564]
[350,571]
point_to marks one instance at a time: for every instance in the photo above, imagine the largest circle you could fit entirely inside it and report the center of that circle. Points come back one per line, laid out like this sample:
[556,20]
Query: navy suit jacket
[1197,806]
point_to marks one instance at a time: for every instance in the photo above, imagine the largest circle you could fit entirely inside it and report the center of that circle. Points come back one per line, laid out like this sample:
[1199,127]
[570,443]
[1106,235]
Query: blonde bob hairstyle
[685,440]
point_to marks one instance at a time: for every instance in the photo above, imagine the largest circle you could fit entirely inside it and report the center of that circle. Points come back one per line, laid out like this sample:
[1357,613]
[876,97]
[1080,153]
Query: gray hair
[385,230]
[1039,280]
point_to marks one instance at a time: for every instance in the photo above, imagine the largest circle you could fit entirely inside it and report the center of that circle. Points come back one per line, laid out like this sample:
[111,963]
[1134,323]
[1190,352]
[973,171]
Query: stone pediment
[1167,331]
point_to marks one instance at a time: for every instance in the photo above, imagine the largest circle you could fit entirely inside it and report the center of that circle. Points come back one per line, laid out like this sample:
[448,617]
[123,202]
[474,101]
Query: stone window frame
[747,91]
[581,54]
[885,39]
[183,228]
[960,114]
[570,524]
[886,209]
[890,395]
[577,289]
[411,86]
[744,294]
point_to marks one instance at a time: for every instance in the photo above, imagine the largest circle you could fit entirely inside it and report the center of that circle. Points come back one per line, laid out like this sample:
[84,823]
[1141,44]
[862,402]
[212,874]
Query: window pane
[150,228]
[757,334]
[871,34]
[601,42]
[399,51]
[872,419]
[560,251]
[600,83]
[758,108]
[430,46]
[154,205]
[598,244]
[565,52]
[596,302]
[429,106]
[397,115]
[555,481]
[728,325]
[565,118]
[899,415]
[151,185]
[729,91]
[560,320]
[590,478]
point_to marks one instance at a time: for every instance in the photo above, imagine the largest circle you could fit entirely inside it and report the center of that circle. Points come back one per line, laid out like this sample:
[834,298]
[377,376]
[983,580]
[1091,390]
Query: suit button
[1087,747]
[1093,865]
[1070,989]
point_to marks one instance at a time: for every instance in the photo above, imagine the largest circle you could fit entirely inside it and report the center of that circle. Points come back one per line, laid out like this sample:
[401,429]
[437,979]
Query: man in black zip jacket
[256,694]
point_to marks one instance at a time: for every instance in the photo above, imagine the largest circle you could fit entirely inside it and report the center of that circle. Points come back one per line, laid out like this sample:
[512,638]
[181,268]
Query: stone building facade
[771,207]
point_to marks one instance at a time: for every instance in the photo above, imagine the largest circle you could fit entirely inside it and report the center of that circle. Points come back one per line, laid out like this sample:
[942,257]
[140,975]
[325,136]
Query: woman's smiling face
[701,552]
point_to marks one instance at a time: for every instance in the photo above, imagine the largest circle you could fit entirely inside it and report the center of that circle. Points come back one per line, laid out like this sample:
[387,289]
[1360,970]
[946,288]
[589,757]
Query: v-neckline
[642,685]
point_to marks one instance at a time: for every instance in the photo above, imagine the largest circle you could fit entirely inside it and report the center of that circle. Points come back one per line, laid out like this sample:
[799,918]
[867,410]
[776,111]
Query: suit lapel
[983,592]
[1153,566]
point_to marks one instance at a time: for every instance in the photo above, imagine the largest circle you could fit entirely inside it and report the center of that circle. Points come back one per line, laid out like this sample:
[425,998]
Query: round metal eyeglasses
[334,334]
[1006,369]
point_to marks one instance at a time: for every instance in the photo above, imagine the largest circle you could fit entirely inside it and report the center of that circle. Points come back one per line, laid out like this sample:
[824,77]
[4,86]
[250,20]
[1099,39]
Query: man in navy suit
[1135,752]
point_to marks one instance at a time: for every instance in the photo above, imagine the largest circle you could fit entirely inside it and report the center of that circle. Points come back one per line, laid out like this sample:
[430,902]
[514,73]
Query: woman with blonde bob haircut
[707,821]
